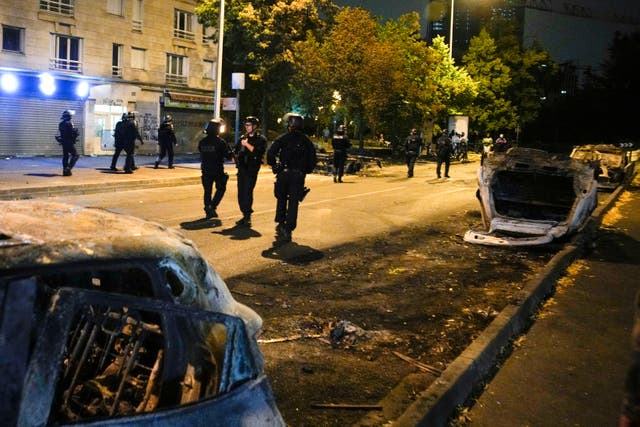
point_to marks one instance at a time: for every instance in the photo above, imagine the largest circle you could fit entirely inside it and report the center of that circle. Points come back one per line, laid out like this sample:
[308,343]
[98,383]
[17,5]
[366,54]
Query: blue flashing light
[82,89]
[9,83]
[47,84]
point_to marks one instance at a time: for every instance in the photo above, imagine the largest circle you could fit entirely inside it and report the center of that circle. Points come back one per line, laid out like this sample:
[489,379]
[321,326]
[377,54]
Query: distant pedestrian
[291,156]
[166,141]
[487,144]
[118,141]
[443,153]
[341,145]
[68,134]
[500,144]
[213,152]
[249,153]
[325,134]
[412,148]
[130,135]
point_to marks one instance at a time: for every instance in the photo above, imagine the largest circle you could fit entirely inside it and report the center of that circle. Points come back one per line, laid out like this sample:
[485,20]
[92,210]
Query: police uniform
[213,152]
[248,163]
[118,142]
[443,151]
[292,156]
[413,146]
[166,141]
[68,135]
[130,133]
[340,144]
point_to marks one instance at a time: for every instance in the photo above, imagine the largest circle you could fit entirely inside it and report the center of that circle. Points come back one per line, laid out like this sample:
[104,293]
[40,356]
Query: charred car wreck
[112,320]
[530,197]
[613,164]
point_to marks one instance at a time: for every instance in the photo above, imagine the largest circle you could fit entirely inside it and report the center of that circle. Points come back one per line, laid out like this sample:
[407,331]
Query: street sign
[229,104]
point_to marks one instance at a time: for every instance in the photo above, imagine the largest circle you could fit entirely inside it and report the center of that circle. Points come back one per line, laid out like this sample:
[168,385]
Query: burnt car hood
[39,233]
[531,197]
[612,163]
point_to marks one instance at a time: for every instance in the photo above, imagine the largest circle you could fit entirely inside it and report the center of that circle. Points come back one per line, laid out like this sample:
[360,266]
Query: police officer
[68,136]
[340,144]
[130,134]
[444,148]
[166,141]
[291,156]
[213,152]
[118,141]
[248,153]
[412,148]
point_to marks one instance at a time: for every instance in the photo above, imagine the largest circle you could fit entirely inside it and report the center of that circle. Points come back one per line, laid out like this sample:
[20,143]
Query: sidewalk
[22,178]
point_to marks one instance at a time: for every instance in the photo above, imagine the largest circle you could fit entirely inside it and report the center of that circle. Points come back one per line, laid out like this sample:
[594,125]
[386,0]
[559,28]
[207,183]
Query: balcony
[176,79]
[60,64]
[61,7]
[183,34]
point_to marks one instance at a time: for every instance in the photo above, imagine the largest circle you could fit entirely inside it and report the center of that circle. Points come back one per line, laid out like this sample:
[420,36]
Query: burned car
[613,164]
[111,320]
[531,197]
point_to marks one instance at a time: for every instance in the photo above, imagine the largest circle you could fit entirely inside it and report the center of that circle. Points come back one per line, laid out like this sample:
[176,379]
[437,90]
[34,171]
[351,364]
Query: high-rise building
[100,59]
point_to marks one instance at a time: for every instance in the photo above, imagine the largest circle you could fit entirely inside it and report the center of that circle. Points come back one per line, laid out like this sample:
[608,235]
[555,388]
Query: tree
[492,110]
[259,36]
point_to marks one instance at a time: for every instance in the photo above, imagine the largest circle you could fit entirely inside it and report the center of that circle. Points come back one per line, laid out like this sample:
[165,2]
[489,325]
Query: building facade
[100,59]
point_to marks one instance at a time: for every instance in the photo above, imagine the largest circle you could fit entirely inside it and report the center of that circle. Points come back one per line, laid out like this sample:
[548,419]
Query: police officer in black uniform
[118,141]
[412,148]
[130,135]
[166,141]
[248,153]
[340,144]
[67,138]
[444,148]
[291,156]
[213,152]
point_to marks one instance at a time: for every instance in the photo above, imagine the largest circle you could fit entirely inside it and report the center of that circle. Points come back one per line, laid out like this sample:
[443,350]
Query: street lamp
[451,31]
[216,107]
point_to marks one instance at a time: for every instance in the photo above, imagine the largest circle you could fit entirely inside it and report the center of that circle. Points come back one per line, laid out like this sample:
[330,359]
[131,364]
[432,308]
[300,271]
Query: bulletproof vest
[296,152]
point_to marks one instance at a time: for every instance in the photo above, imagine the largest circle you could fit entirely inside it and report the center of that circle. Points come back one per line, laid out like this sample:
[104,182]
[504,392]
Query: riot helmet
[253,120]
[340,130]
[168,118]
[414,131]
[66,115]
[294,121]
[214,127]
[131,115]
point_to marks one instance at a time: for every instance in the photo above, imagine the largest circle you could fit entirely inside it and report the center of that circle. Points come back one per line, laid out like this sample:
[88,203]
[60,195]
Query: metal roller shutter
[28,125]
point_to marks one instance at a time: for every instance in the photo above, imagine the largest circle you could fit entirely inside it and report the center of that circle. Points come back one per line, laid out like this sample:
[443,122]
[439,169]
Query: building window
[115,7]
[66,55]
[63,7]
[138,58]
[177,69]
[183,25]
[116,60]
[12,39]
[209,69]
[136,20]
[207,34]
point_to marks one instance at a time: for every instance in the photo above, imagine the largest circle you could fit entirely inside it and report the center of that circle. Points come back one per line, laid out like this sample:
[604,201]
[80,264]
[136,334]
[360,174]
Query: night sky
[388,8]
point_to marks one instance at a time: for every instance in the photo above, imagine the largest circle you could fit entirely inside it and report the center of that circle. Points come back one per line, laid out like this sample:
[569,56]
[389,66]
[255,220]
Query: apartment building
[100,59]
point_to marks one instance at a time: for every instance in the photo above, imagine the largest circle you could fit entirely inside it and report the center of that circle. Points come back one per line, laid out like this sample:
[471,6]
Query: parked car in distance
[531,197]
[613,164]
[111,320]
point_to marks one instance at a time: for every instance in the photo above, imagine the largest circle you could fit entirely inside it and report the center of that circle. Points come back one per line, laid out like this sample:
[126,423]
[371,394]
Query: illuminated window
[12,39]
[138,58]
[63,7]
[183,25]
[177,69]
[67,54]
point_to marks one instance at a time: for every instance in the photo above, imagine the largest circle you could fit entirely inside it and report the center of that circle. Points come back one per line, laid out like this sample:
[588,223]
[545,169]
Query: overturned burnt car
[111,320]
[613,164]
[531,197]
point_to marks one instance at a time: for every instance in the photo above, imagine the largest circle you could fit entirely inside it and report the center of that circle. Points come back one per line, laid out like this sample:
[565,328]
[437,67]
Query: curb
[61,190]
[435,405]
